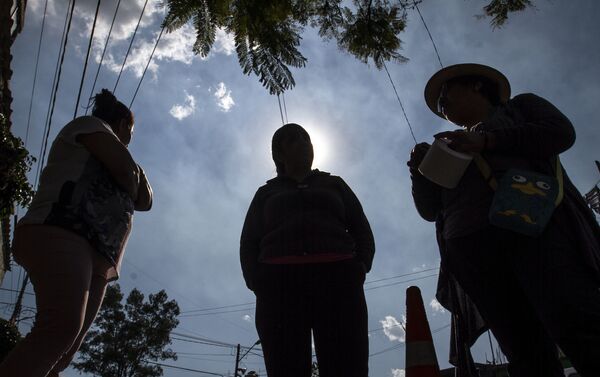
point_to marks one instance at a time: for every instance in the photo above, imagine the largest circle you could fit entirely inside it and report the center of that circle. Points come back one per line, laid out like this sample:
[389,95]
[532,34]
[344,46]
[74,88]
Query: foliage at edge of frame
[15,162]
[9,337]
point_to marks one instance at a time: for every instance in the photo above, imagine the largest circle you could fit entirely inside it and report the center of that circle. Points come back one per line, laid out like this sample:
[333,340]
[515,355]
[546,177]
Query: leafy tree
[125,337]
[498,10]
[9,337]
[267,32]
[15,162]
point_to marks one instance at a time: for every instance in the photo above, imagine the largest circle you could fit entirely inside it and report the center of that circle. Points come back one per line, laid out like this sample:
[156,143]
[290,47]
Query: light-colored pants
[69,280]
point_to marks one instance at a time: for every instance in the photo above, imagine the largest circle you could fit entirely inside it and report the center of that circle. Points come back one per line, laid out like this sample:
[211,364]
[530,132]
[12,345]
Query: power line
[429,33]
[102,57]
[181,295]
[401,282]
[188,369]
[253,307]
[210,309]
[209,341]
[397,346]
[214,313]
[400,102]
[37,61]
[284,107]
[15,290]
[160,283]
[280,110]
[56,69]
[203,339]
[23,306]
[389,327]
[213,344]
[62,59]
[130,44]
[202,354]
[146,68]
[87,57]
[200,342]
[217,307]
[402,275]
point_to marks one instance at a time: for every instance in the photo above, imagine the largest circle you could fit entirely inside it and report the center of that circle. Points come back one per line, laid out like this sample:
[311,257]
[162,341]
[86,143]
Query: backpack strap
[486,171]
[560,179]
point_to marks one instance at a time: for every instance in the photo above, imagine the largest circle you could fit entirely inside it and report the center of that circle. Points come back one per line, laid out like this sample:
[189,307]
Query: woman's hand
[466,141]
[417,155]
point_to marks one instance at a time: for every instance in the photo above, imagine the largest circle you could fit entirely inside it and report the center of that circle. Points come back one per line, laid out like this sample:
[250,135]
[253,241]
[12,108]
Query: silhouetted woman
[534,291]
[72,239]
[305,248]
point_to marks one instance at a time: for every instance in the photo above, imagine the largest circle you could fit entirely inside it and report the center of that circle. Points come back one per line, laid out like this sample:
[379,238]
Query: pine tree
[126,336]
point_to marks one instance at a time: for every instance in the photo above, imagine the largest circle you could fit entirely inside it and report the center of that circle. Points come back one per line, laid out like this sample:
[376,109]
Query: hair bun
[109,109]
[105,99]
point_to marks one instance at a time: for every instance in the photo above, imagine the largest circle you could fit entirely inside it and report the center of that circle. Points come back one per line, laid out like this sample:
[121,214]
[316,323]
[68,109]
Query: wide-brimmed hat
[434,85]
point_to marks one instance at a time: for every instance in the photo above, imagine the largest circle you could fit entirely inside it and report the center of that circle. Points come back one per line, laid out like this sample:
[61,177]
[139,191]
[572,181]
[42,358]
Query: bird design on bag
[526,196]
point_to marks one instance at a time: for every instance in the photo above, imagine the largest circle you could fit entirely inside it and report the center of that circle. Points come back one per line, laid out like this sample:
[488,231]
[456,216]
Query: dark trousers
[327,298]
[534,294]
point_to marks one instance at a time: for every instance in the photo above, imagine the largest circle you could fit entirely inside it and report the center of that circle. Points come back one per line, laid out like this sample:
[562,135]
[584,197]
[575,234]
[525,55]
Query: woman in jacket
[306,246]
[72,239]
[534,292]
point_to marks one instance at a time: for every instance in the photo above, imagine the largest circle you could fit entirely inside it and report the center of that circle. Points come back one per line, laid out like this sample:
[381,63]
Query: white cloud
[224,42]
[420,268]
[436,306]
[181,112]
[398,373]
[247,318]
[174,46]
[224,99]
[393,329]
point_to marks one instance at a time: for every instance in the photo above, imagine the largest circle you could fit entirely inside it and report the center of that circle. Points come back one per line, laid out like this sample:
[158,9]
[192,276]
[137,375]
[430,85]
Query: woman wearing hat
[535,291]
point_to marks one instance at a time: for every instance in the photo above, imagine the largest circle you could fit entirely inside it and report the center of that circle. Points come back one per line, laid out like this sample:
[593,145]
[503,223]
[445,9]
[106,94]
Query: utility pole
[238,358]
[14,318]
[237,361]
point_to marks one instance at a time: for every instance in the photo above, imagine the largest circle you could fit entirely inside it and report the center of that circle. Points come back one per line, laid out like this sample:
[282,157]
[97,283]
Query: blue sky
[203,133]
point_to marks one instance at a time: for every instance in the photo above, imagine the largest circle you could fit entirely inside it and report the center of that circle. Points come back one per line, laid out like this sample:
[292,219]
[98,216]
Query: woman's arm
[107,149]
[544,132]
[426,194]
[250,242]
[359,227]
[145,194]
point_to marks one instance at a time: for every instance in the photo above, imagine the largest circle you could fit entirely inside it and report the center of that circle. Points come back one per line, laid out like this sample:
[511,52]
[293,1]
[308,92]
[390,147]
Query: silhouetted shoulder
[528,99]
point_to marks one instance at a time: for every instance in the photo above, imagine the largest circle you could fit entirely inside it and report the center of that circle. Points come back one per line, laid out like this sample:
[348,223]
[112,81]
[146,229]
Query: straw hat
[434,85]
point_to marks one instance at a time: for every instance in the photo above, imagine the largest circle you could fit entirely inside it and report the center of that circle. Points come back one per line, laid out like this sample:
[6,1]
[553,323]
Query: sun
[321,145]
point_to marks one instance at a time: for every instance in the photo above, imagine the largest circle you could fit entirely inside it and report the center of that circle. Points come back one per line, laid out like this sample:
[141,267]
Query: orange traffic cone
[421,360]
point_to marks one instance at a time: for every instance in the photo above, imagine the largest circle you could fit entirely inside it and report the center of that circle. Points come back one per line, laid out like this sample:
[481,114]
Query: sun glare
[321,146]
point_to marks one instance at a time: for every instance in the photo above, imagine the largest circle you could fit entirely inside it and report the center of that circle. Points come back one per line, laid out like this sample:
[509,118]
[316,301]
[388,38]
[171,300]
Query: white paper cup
[443,165]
